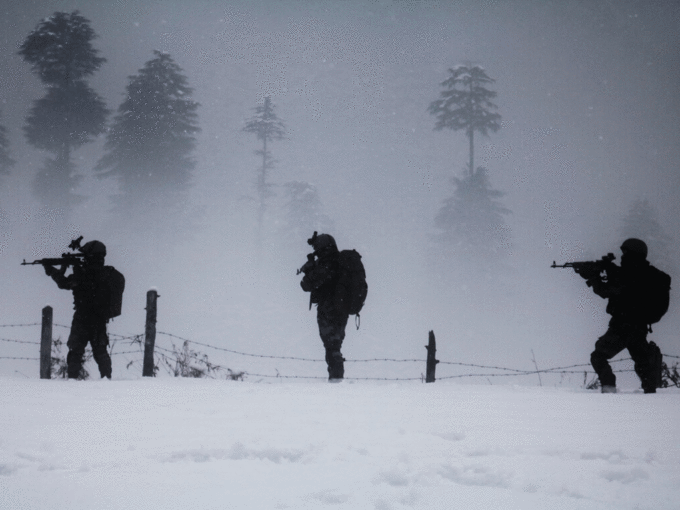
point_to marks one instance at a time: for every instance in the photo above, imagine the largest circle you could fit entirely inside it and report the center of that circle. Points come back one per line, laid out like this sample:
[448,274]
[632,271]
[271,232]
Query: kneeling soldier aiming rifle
[638,295]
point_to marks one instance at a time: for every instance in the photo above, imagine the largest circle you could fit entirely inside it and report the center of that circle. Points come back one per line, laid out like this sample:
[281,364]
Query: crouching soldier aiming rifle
[337,283]
[97,297]
[638,295]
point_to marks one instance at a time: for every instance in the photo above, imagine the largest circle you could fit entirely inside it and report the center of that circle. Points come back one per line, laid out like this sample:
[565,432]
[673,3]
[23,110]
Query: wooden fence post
[150,333]
[46,344]
[431,361]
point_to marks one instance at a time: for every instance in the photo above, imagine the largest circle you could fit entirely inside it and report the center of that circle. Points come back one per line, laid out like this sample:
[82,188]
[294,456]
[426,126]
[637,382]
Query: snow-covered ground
[217,444]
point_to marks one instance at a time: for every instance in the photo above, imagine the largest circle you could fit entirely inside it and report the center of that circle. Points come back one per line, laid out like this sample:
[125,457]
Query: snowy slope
[215,444]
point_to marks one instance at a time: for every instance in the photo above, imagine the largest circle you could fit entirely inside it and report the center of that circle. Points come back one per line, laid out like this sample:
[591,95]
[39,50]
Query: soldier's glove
[592,281]
[50,270]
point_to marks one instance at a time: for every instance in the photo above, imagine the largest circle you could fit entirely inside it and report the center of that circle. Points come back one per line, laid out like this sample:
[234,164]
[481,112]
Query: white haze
[589,104]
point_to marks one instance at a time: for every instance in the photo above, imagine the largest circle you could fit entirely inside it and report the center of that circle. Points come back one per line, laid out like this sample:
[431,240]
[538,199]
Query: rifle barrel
[67,259]
[567,264]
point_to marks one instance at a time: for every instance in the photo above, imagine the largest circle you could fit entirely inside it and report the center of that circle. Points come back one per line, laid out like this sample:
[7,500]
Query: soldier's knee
[597,357]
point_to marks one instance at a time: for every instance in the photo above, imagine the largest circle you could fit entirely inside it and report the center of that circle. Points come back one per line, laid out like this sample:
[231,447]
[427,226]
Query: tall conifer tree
[71,114]
[471,222]
[266,125]
[149,145]
[465,103]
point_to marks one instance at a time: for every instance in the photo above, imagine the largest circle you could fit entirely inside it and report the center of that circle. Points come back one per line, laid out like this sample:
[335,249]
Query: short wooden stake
[431,361]
[46,344]
[150,333]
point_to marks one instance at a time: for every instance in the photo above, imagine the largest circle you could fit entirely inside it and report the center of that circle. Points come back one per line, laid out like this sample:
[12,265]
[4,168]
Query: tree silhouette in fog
[6,162]
[642,222]
[465,103]
[266,125]
[471,221]
[150,142]
[304,212]
[71,114]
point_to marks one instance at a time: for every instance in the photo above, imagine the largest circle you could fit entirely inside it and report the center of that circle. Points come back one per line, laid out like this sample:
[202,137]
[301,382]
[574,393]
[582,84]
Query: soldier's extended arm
[58,275]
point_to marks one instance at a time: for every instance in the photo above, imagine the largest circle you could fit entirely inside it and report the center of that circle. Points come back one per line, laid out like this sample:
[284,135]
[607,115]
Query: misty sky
[587,91]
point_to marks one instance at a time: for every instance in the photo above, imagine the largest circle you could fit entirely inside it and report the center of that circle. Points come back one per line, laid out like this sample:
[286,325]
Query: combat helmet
[94,249]
[323,244]
[635,246]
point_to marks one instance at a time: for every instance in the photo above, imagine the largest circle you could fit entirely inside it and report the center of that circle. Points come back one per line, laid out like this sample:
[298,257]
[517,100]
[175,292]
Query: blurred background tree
[642,222]
[6,162]
[71,114]
[150,143]
[267,127]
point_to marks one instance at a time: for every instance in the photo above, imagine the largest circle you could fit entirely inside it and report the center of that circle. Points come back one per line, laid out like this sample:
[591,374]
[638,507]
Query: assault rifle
[590,269]
[310,256]
[307,265]
[67,259]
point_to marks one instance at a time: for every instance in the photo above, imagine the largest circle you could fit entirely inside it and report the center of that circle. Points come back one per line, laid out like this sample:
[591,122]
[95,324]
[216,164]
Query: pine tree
[149,145]
[472,221]
[266,125]
[466,104]
[642,222]
[6,162]
[304,211]
[71,114]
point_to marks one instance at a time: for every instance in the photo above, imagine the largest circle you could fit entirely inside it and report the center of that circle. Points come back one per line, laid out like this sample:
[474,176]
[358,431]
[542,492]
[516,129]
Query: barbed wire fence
[186,360]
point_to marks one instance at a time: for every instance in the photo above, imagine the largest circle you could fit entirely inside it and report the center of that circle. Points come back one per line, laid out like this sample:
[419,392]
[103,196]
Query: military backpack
[351,289]
[657,295]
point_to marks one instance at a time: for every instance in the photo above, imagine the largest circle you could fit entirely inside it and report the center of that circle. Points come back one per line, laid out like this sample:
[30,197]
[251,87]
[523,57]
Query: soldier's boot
[101,356]
[649,369]
[105,370]
[336,368]
[603,369]
[74,364]
[655,376]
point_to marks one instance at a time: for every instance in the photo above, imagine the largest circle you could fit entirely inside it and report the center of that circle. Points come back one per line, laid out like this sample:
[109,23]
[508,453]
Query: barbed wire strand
[241,353]
[123,337]
[215,368]
[19,341]
[238,352]
[415,360]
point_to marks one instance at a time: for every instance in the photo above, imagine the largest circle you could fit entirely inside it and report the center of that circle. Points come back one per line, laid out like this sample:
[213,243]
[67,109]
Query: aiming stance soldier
[94,287]
[638,295]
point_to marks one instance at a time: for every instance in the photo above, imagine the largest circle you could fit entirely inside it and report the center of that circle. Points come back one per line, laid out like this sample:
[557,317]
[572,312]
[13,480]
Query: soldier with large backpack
[638,295]
[97,297]
[337,283]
